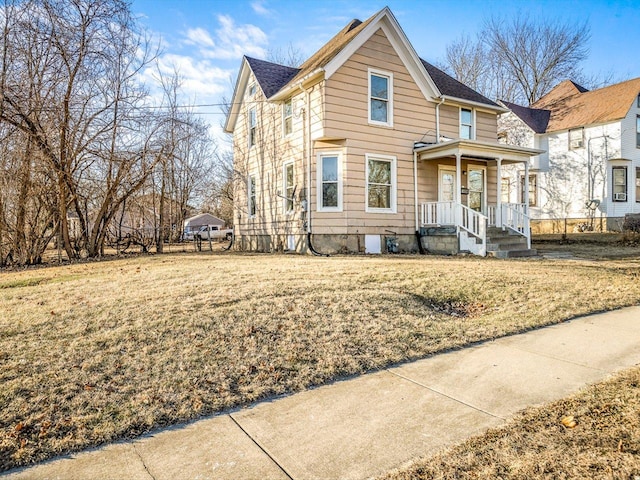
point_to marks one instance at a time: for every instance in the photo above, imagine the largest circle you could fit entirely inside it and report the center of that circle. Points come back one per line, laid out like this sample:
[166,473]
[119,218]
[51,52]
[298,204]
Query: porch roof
[477,150]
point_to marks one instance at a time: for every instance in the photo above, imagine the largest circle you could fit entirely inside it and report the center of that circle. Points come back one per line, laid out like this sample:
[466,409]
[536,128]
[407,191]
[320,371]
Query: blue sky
[205,39]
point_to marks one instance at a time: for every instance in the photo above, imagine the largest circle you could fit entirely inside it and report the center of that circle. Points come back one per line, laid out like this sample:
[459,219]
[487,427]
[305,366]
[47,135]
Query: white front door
[476,183]
[447,185]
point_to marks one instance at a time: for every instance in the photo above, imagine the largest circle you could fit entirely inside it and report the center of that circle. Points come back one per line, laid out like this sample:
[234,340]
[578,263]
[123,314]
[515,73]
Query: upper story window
[466,124]
[619,177]
[288,187]
[253,126]
[381,184]
[638,131]
[329,183]
[251,187]
[251,91]
[576,138]
[287,117]
[380,98]
[638,101]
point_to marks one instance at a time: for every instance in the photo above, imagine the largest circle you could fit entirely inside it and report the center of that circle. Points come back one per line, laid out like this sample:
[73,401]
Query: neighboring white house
[592,166]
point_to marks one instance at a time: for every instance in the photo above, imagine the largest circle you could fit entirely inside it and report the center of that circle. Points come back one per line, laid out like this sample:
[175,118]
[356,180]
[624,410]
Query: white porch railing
[515,218]
[471,225]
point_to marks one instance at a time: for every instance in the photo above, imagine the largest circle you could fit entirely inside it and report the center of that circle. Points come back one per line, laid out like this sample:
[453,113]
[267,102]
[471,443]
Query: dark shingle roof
[451,87]
[536,118]
[271,76]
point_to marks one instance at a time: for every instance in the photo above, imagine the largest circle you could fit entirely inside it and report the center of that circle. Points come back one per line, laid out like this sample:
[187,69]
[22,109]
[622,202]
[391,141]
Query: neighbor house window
[380,98]
[638,131]
[576,138]
[466,123]
[253,125]
[533,189]
[381,183]
[619,176]
[287,117]
[329,183]
[638,101]
[637,185]
[288,187]
[251,187]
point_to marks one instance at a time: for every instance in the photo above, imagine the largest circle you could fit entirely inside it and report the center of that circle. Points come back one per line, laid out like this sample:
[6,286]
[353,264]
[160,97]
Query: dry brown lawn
[90,353]
[601,440]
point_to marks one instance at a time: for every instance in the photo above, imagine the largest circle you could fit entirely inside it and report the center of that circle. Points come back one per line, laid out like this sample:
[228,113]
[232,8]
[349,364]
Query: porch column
[458,196]
[499,188]
[526,187]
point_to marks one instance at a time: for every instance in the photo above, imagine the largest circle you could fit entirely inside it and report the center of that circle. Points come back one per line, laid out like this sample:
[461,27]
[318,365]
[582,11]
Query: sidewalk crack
[142,460]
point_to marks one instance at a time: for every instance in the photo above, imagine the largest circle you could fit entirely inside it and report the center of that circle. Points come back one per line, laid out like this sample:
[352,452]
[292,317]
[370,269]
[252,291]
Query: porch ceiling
[474,149]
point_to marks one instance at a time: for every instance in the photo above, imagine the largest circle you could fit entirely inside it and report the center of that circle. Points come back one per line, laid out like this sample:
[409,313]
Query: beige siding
[486,126]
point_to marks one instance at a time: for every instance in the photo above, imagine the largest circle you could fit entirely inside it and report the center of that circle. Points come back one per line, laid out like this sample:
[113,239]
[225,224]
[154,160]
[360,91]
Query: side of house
[590,175]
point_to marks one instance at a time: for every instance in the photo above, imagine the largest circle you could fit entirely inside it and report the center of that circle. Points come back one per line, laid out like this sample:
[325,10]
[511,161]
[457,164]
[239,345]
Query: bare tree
[519,59]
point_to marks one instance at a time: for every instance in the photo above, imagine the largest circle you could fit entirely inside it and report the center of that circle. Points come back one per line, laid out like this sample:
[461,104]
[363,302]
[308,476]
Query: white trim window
[287,118]
[329,182]
[380,98]
[466,124]
[253,126]
[637,131]
[288,186]
[381,183]
[576,138]
[251,195]
[637,184]
[533,189]
[619,183]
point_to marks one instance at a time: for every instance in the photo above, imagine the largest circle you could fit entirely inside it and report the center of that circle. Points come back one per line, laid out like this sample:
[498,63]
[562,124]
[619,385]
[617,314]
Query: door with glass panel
[476,184]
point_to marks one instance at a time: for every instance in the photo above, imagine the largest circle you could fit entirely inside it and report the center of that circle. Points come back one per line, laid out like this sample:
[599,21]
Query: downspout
[438,119]
[307,93]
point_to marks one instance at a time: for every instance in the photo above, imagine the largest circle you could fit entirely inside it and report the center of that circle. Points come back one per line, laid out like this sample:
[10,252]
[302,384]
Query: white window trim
[473,122]
[582,139]
[284,187]
[249,195]
[251,109]
[524,183]
[394,183]
[319,159]
[626,184]
[284,118]
[389,75]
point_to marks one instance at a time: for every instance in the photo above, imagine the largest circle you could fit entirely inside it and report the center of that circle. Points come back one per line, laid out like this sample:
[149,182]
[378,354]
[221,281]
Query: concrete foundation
[440,240]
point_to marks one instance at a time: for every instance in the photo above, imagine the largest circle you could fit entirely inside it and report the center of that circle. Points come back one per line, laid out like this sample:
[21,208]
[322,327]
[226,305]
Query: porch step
[527,252]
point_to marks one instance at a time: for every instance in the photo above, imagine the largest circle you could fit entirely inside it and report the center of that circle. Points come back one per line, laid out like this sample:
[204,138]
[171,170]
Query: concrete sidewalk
[368,425]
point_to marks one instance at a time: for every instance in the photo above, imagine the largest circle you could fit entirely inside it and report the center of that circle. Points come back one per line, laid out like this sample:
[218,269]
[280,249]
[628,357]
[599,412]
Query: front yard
[95,352]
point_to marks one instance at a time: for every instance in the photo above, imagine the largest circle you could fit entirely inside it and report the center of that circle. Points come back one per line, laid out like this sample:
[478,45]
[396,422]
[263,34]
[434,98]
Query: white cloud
[230,41]
[259,7]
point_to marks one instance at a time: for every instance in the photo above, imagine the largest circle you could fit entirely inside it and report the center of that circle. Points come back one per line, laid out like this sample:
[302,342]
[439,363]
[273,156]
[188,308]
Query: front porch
[467,199]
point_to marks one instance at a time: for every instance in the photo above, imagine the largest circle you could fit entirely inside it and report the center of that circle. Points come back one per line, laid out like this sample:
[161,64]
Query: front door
[447,185]
[476,184]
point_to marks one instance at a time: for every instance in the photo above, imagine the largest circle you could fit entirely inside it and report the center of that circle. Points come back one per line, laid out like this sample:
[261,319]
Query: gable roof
[536,119]
[451,87]
[580,107]
[564,89]
[270,76]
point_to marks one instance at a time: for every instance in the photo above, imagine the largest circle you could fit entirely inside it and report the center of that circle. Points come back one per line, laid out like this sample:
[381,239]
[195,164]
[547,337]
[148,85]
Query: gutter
[282,94]
[438,118]
[494,108]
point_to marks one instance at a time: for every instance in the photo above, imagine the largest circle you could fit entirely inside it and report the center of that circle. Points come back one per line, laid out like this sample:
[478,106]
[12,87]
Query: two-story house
[365,147]
[590,171]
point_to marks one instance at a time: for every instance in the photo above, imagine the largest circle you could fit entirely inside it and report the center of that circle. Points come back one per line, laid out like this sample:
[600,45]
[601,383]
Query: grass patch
[601,440]
[111,350]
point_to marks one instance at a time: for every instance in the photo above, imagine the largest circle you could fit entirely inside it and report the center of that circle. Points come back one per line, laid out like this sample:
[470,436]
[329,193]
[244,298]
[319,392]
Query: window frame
[617,168]
[252,126]
[637,131]
[320,207]
[581,141]
[533,199]
[288,200]
[393,161]
[286,117]
[251,196]
[389,76]
[472,128]
[637,184]
[506,190]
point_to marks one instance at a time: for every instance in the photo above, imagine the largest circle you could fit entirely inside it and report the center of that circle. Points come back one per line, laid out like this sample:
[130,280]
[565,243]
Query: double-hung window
[380,98]
[532,184]
[637,184]
[251,187]
[288,187]
[466,124]
[287,118]
[329,183]
[381,183]
[576,138]
[638,131]
[619,176]
[253,126]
